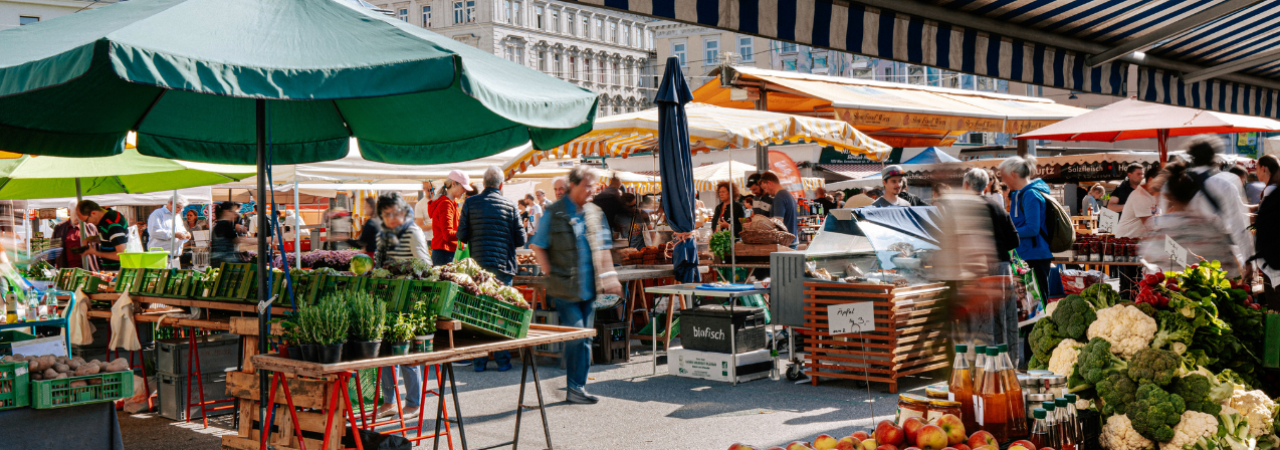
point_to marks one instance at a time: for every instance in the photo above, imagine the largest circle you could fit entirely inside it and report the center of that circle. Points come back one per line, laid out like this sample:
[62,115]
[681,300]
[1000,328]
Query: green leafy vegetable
[1157,366]
[1073,317]
[1044,337]
[1154,412]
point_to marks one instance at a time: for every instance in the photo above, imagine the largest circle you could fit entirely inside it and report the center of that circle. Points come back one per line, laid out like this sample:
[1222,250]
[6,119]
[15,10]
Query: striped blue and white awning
[1213,54]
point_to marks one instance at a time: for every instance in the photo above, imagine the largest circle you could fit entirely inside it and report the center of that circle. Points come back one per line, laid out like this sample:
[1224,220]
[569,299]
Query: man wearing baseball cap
[444,217]
[761,201]
[895,181]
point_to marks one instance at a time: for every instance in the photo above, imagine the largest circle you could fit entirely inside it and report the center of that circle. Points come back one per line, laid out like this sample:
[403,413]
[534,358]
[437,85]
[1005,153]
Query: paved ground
[637,411]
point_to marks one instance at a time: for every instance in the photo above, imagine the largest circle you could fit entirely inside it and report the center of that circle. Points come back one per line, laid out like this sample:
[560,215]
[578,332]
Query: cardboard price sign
[851,318]
[1107,220]
[1177,253]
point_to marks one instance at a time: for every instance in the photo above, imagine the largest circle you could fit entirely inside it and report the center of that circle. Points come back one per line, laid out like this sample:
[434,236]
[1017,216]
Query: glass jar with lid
[1055,385]
[937,392]
[939,408]
[910,405]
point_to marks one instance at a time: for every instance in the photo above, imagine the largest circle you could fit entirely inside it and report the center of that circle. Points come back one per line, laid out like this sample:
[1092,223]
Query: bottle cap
[1061,402]
[992,351]
[1039,413]
[961,348]
[981,348]
[1071,397]
[1048,406]
[1003,348]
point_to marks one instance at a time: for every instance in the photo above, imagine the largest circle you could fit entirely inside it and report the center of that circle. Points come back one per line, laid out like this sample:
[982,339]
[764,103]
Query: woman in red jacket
[444,217]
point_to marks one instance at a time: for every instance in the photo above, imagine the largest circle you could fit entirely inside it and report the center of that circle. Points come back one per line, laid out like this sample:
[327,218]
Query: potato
[74,364]
[48,361]
[62,375]
[119,365]
[36,376]
[61,360]
[78,359]
[62,368]
[95,362]
[33,365]
[87,369]
[80,383]
[50,373]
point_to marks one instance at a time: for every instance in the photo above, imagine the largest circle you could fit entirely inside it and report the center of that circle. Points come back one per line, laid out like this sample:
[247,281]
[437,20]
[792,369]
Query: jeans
[412,384]
[441,257]
[503,358]
[577,353]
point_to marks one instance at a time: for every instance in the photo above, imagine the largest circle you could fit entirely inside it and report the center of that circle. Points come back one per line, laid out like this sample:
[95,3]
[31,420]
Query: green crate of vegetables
[305,285]
[124,280]
[335,283]
[237,281]
[390,290]
[8,337]
[491,316]
[81,390]
[65,278]
[207,286]
[15,385]
[438,295]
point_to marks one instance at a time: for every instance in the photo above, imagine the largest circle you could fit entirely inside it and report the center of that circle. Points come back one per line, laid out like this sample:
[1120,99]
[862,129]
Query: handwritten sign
[1177,253]
[1107,220]
[850,318]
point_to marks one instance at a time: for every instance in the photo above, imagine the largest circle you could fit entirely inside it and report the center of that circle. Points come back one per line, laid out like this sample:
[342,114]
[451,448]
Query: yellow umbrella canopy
[715,128]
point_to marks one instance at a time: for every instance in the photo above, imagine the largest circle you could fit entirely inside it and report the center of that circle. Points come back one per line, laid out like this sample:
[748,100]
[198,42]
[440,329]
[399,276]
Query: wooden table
[287,370]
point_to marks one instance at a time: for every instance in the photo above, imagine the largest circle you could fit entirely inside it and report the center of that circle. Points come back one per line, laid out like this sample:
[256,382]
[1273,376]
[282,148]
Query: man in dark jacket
[490,226]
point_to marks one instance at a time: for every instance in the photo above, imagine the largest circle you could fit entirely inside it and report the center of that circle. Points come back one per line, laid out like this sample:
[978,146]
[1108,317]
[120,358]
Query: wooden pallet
[909,336]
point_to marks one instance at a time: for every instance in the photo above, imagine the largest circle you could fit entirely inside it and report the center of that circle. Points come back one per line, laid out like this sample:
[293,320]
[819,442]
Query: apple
[961,446]
[887,447]
[869,444]
[797,445]
[912,426]
[861,435]
[954,428]
[849,443]
[981,438]
[912,448]
[1017,447]
[1025,444]
[889,433]
[737,446]
[931,437]
[988,447]
[824,442]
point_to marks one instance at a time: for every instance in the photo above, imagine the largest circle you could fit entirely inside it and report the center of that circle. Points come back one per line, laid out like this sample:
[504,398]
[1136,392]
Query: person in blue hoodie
[1027,208]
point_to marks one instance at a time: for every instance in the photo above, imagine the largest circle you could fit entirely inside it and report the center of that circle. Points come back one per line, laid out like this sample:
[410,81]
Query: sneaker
[411,413]
[580,396]
[479,367]
[386,410]
[504,367]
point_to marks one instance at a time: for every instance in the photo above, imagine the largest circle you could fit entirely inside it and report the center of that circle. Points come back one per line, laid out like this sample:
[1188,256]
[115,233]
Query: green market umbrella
[31,177]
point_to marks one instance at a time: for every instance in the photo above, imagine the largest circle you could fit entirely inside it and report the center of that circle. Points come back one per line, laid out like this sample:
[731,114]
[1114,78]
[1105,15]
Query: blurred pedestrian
[1135,222]
[1219,197]
[444,217]
[633,221]
[1027,207]
[535,211]
[420,210]
[784,204]
[821,197]
[560,186]
[1133,178]
[1253,189]
[490,226]
[226,235]
[729,210]
[1188,226]
[1266,250]
[609,199]
[1242,176]
[400,239]
[372,227]
[573,247]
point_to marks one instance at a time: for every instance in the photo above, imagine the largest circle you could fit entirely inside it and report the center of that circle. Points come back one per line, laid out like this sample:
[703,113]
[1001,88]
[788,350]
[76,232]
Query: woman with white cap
[444,217]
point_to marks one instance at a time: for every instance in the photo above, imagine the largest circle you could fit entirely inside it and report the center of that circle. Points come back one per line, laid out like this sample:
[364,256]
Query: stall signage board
[849,318]
[1107,220]
[1177,253]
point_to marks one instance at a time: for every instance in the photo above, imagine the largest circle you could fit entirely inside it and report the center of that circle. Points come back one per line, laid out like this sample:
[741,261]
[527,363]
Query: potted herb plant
[400,334]
[328,322]
[367,323]
[424,328]
[291,340]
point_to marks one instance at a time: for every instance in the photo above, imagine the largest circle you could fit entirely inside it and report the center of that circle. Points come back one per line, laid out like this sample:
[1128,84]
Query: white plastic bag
[78,318]
[135,241]
[124,335]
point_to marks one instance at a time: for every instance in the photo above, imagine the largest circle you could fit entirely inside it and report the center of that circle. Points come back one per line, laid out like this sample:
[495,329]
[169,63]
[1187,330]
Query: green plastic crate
[65,278]
[8,337]
[103,387]
[305,287]
[335,283]
[438,294]
[15,386]
[237,281]
[180,283]
[1271,345]
[390,291]
[491,316]
[125,279]
[146,281]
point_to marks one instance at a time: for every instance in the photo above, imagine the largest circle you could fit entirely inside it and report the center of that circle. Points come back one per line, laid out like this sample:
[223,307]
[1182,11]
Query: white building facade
[607,52]
[16,13]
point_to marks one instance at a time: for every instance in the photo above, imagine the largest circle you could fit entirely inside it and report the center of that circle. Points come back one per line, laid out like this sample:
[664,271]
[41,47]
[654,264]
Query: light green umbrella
[31,177]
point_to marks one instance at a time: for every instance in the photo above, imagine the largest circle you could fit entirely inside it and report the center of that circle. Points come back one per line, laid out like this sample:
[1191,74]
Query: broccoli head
[1199,393]
[1116,391]
[1035,363]
[1173,328]
[1154,412]
[1073,317]
[1101,295]
[1152,365]
[1096,361]
[1044,337]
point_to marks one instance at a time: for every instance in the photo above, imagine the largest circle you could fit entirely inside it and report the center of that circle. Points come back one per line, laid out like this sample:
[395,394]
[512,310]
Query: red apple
[931,437]
[824,442]
[1025,444]
[889,433]
[849,443]
[987,447]
[954,429]
[887,447]
[861,435]
[1017,447]
[912,448]
[1046,448]
[981,438]
[741,447]
[948,448]
[961,446]
[797,445]
[912,426]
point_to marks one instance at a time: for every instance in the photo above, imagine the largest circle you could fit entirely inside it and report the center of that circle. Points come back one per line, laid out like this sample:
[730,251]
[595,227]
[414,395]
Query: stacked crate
[218,354]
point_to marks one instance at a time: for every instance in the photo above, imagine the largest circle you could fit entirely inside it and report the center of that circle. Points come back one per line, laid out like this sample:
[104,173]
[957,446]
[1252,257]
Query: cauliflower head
[1127,328]
[1256,408]
[1118,434]
[1193,426]
[1064,357]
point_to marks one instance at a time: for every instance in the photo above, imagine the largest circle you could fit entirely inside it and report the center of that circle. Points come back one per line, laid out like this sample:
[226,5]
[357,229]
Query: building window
[649,44]
[820,62]
[515,13]
[678,50]
[520,55]
[626,36]
[601,73]
[509,54]
[573,68]
[629,78]
[555,21]
[542,61]
[789,65]
[586,69]
[464,11]
[403,14]
[617,79]
[426,16]
[599,29]
[27,20]
[604,105]
[558,66]
[613,32]
[507,10]
[586,27]
[537,14]
[788,47]
[711,51]
[568,23]
[747,48]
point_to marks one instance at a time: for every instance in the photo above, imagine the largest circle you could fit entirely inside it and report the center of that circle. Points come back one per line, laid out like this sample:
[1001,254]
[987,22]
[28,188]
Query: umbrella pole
[297,229]
[263,256]
[173,229]
[1162,142]
[75,212]
[733,256]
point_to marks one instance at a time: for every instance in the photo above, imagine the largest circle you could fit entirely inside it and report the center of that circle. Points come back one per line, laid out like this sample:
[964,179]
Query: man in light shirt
[420,210]
[167,230]
[1140,207]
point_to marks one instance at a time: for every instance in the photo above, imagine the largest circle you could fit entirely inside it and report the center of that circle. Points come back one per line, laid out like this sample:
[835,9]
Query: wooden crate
[909,336]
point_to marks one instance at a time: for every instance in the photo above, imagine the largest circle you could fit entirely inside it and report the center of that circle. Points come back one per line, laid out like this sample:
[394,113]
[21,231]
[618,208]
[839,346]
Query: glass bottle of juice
[979,367]
[1076,426]
[1013,391]
[1066,431]
[961,387]
[1040,431]
[994,399]
[1055,441]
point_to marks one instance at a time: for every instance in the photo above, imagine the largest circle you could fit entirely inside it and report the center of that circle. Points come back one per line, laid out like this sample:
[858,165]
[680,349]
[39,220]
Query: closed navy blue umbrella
[677,167]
